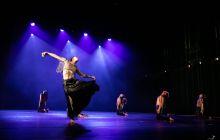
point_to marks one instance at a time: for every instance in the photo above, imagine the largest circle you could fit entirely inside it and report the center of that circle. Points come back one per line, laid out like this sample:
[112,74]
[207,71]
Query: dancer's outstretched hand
[43,54]
[93,77]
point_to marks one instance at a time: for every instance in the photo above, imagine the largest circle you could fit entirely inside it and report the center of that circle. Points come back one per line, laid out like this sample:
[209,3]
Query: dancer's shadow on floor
[76,130]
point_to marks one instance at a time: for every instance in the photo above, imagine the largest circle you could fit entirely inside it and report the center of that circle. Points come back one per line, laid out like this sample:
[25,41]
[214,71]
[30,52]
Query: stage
[30,124]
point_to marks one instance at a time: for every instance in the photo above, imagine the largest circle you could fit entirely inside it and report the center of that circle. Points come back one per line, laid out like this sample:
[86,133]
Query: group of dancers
[161,112]
[78,93]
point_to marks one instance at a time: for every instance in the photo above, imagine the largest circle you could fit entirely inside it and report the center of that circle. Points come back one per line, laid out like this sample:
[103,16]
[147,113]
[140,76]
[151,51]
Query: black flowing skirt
[78,95]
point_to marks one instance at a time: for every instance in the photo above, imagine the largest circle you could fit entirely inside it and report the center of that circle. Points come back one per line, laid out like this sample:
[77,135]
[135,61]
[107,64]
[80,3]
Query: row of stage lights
[189,65]
[62,30]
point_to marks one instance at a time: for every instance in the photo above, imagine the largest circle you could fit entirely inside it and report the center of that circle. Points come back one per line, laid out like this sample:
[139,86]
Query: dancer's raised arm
[43,54]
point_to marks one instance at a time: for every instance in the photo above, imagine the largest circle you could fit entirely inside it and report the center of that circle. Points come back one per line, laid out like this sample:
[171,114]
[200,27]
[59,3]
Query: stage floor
[54,125]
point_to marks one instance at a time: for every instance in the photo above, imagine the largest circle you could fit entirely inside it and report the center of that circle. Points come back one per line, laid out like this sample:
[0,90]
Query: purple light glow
[28,58]
[116,48]
[106,63]
[62,38]
[88,44]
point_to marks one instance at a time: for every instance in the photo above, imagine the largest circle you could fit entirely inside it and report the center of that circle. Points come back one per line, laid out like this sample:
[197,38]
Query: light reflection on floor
[30,124]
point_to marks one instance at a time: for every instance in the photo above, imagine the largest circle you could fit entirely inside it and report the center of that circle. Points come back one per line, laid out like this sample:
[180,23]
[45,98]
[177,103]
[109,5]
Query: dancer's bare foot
[72,122]
[171,119]
[81,116]
[125,113]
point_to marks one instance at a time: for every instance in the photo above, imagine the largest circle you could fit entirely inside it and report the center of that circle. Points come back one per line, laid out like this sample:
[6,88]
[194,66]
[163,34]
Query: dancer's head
[45,92]
[74,59]
[121,95]
[200,95]
[165,93]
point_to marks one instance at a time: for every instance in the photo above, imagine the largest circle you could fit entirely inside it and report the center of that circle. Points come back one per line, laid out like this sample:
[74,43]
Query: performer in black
[78,93]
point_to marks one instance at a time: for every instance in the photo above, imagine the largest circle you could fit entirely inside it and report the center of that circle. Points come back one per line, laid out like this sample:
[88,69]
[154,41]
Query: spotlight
[32,34]
[188,65]
[109,39]
[200,62]
[100,46]
[85,34]
[32,24]
[216,58]
[61,30]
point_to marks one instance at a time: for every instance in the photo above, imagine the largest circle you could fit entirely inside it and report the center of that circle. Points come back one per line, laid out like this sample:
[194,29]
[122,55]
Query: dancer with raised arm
[78,93]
